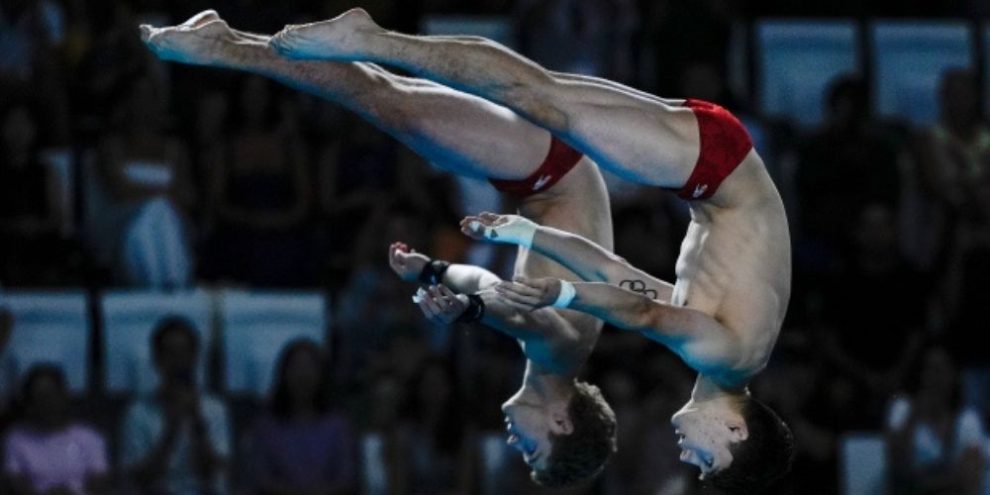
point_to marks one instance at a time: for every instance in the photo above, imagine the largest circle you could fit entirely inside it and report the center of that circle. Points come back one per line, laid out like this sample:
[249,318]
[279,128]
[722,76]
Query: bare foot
[341,38]
[202,40]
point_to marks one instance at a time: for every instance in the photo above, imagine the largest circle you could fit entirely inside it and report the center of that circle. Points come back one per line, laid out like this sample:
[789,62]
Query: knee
[541,101]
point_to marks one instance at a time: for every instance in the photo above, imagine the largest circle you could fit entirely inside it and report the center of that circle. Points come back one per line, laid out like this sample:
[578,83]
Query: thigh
[644,139]
[465,134]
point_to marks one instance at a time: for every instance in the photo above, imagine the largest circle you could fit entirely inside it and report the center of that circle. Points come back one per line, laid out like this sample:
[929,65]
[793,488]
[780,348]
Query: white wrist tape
[518,231]
[566,296]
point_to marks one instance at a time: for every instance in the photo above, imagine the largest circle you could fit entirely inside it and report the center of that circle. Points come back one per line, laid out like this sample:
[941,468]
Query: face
[706,434]
[529,427]
[302,373]
[176,361]
[19,130]
[49,402]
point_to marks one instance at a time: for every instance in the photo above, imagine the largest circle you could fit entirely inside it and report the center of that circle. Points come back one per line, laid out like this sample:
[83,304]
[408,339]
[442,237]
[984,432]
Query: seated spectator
[32,204]
[875,309]
[177,440]
[46,452]
[300,446]
[842,167]
[6,367]
[967,295]
[147,181]
[950,158]
[935,445]
[437,434]
[260,194]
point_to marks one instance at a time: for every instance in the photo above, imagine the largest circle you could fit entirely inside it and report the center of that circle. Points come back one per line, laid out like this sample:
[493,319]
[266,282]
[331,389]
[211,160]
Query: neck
[543,389]
[707,390]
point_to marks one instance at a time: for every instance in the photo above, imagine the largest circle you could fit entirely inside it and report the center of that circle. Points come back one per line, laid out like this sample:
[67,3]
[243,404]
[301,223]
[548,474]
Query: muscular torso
[735,265]
[578,203]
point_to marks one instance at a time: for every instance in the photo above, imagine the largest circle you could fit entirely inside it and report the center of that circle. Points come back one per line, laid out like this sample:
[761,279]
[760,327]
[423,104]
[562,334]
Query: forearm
[616,306]
[540,323]
[593,263]
[469,279]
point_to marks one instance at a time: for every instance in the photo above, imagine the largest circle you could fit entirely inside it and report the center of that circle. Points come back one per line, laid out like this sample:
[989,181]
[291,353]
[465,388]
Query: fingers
[519,294]
[146,32]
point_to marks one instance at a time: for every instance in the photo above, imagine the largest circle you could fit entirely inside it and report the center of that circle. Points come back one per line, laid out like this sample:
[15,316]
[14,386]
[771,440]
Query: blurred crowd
[119,170]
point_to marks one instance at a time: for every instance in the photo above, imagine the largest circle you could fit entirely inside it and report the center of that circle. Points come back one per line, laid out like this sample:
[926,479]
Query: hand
[506,229]
[440,305]
[529,294]
[405,262]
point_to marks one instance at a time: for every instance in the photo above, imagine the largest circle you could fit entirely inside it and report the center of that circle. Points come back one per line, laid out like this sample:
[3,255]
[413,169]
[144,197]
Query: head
[18,130]
[936,379]
[175,351]
[740,445]
[959,97]
[564,443]
[300,381]
[847,102]
[44,396]
[6,327]
[875,232]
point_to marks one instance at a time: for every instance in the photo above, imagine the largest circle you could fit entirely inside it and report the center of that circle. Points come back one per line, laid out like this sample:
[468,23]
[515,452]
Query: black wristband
[432,273]
[475,310]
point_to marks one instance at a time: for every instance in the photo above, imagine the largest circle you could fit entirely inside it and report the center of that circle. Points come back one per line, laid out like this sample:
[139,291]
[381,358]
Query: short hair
[763,459]
[38,372]
[168,324]
[581,455]
[281,404]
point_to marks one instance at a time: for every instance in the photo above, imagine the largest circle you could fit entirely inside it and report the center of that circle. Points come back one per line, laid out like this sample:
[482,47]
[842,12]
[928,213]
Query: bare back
[578,203]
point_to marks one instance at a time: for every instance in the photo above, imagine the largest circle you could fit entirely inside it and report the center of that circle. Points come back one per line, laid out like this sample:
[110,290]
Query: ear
[560,421]
[738,430]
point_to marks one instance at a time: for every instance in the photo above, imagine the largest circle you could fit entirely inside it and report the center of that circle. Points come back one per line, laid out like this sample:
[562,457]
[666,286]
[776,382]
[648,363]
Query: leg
[460,132]
[639,137]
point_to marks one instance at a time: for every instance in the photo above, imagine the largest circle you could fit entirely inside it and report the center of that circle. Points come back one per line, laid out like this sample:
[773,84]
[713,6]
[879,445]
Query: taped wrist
[566,296]
[475,310]
[518,231]
[433,271]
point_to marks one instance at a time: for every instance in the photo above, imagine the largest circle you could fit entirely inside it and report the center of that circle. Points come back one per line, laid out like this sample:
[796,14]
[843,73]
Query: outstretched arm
[591,262]
[446,301]
[619,307]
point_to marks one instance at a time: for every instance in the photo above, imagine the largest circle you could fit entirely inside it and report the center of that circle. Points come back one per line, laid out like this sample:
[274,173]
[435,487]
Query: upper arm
[619,272]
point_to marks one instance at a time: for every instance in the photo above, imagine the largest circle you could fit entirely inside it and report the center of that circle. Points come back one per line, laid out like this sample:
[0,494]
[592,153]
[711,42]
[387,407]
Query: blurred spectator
[300,446]
[875,311]
[7,371]
[679,33]
[33,249]
[27,28]
[437,433]
[950,159]
[177,441]
[804,397]
[260,194]
[384,465]
[936,446]
[966,294]
[842,168]
[146,178]
[48,453]
[357,173]
[593,37]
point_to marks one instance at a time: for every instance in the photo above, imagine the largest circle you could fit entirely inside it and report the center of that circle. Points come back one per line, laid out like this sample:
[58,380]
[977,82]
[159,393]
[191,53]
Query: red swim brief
[560,160]
[724,145]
